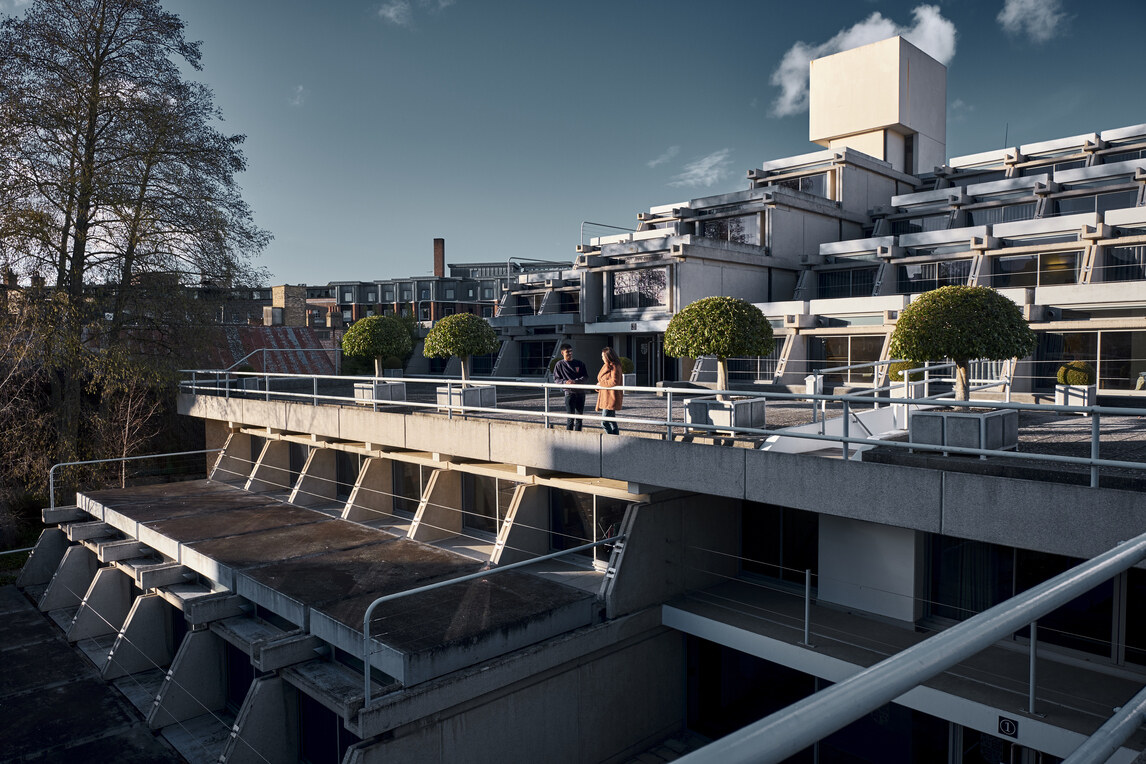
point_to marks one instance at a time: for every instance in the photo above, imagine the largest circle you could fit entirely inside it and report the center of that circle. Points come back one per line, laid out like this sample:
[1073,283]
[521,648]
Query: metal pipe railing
[668,422]
[1108,738]
[792,729]
[440,584]
[52,471]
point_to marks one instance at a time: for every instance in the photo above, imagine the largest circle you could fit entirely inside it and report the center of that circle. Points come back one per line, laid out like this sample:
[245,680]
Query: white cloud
[704,171]
[930,32]
[298,96]
[397,12]
[1039,20]
[401,12]
[669,153]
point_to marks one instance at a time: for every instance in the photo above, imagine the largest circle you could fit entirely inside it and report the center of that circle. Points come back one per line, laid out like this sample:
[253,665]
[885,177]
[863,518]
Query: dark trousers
[610,427]
[574,404]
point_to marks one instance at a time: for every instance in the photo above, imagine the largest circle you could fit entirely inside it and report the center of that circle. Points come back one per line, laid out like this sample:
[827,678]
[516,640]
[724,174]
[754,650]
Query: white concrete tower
[887,99]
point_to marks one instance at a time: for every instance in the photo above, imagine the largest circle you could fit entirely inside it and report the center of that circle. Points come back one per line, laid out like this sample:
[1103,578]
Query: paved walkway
[53,704]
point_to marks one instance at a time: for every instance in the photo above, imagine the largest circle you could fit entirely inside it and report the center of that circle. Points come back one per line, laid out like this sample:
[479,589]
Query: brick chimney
[439,257]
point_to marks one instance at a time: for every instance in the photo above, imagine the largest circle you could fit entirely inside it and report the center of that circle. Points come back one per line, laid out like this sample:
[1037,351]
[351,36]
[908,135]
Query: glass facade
[485,502]
[857,282]
[923,277]
[743,229]
[1124,264]
[578,518]
[646,288]
[1035,269]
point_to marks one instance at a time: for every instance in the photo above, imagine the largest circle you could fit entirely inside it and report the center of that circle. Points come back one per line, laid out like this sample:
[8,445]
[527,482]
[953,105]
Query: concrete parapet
[467,438]
[45,558]
[558,449]
[439,513]
[54,515]
[104,607]
[195,684]
[372,497]
[686,466]
[356,424]
[266,728]
[71,580]
[145,640]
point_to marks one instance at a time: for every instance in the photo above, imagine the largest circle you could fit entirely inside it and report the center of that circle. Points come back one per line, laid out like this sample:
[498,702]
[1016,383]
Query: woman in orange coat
[608,399]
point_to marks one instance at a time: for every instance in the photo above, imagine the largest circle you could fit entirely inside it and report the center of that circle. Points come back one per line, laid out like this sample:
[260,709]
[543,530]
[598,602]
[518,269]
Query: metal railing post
[668,411]
[449,399]
[314,388]
[52,470]
[545,418]
[847,416]
[1034,648]
[808,607]
[1094,415]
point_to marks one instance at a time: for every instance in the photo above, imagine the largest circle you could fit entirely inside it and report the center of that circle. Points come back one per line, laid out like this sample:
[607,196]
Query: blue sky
[374,126]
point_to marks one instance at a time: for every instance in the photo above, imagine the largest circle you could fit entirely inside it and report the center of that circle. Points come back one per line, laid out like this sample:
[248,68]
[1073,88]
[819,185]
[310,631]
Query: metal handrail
[52,471]
[619,539]
[790,730]
[669,423]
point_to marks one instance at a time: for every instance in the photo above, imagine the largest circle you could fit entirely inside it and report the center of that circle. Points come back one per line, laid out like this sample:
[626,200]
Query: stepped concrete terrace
[321,572]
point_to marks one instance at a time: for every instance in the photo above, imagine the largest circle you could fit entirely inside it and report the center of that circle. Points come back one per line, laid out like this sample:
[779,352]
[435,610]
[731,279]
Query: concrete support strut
[144,642]
[791,730]
[45,558]
[195,684]
[105,606]
[71,580]
[266,728]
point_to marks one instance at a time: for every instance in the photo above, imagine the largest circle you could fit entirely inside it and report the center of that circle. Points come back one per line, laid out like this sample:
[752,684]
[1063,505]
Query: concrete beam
[372,498]
[266,728]
[91,530]
[114,551]
[200,612]
[45,558]
[144,642]
[149,577]
[196,683]
[439,514]
[287,651]
[56,515]
[105,606]
[71,580]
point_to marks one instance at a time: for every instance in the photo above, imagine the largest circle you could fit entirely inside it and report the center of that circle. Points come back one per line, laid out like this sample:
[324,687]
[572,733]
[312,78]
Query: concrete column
[439,513]
[144,642]
[196,683]
[272,470]
[105,606]
[45,558]
[871,567]
[525,532]
[266,728]
[316,483]
[71,581]
[234,465]
[372,497]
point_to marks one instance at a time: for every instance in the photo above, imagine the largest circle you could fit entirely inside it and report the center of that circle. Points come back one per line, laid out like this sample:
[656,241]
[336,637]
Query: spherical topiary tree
[463,335]
[961,323]
[1075,373]
[377,337]
[725,327]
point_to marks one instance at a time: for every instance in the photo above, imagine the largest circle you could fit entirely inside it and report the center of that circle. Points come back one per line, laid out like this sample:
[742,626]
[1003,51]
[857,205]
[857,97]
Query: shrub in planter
[961,323]
[1076,374]
[725,327]
[626,365]
[463,335]
[895,372]
[377,337]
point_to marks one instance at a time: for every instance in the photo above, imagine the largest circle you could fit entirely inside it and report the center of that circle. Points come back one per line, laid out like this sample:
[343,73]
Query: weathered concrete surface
[430,634]
[54,706]
[45,558]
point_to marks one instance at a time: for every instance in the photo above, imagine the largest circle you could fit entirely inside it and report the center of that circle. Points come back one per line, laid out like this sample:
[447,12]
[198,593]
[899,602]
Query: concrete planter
[1075,395]
[743,412]
[379,391]
[483,396]
[995,430]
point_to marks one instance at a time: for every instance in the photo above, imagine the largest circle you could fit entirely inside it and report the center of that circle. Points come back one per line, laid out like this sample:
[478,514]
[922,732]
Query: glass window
[424,294]
[817,185]
[1035,269]
[486,502]
[1122,360]
[577,518]
[744,229]
[1124,264]
[347,316]
[779,542]
[920,223]
[407,295]
[370,296]
[829,352]
[450,293]
[388,295]
[923,277]
[1003,214]
[407,486]
[646,288]
[857,282]
[487,293]
[1099,203]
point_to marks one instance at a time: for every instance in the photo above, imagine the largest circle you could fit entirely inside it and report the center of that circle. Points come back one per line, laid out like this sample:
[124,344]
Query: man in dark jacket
[570,371]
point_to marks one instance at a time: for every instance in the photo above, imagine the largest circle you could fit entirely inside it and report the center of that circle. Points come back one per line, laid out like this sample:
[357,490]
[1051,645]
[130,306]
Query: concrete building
[232,610]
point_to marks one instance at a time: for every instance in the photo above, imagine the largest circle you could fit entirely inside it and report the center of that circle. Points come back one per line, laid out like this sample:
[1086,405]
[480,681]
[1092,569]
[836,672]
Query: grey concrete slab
[557,449]
[291,587]
[366,426]
[687,466]
[433,633]
[467,438]
[878,493]
[233,522]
